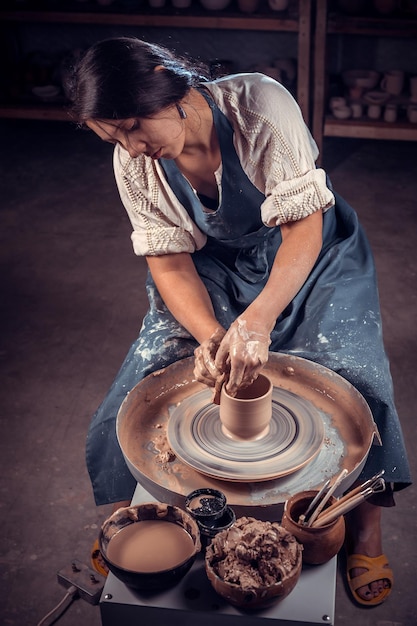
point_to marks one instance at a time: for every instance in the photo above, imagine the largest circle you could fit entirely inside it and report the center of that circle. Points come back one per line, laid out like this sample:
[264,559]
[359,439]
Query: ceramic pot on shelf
[393,82]
[374,111]
[413,89]
[412,113]
[390,113]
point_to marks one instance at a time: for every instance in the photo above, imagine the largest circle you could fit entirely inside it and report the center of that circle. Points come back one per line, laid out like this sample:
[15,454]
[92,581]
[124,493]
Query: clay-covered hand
[242,353]
[205,369]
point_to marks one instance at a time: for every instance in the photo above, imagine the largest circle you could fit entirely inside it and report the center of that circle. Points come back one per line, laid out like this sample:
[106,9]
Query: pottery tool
[220,381]
[351,500]
[375,482]
[304,518]
[342,509]
[327,496]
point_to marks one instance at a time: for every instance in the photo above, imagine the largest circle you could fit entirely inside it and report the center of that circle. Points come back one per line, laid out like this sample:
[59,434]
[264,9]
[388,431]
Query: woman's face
[161,135]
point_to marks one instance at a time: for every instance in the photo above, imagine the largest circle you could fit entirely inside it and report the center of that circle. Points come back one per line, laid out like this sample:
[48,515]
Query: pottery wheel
[171,402]
[294,437]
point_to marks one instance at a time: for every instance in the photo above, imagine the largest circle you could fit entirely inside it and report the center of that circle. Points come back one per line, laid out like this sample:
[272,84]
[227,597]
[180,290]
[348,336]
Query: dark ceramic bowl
[206,504]
[163,514]
[211,528]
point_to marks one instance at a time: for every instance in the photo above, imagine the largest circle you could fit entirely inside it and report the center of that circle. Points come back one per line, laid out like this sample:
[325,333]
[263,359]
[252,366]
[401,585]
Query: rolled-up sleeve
[160,224]
[275,147]
[294,186]
[297,198]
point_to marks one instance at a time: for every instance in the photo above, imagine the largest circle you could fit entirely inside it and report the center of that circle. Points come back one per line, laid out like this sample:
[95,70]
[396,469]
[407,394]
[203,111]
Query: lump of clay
[252,556]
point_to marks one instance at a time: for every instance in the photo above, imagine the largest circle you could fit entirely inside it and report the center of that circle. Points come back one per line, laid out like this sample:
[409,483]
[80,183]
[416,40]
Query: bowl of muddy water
[254,563]
[150,546]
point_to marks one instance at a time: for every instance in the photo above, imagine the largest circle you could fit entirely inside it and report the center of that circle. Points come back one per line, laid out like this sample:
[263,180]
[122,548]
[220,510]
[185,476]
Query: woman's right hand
[205,370]
[243,352]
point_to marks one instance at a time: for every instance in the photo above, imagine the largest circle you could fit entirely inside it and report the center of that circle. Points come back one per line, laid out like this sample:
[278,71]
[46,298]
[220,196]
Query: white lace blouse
[276,151]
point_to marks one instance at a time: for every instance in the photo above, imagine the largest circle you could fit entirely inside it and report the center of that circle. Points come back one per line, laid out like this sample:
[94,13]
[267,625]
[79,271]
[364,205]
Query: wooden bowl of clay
[254,563]
[150,546]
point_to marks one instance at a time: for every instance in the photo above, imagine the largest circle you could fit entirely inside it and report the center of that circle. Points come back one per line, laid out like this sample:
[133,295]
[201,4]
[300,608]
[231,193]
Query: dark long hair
[116,79]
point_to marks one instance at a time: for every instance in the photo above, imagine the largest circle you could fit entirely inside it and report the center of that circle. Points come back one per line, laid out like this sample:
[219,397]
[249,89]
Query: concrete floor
[72,301]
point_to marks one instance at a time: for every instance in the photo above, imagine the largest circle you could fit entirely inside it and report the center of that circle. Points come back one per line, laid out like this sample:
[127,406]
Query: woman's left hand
[242,353]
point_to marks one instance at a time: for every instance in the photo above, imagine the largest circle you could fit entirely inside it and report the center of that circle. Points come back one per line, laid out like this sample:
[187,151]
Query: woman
[248,249]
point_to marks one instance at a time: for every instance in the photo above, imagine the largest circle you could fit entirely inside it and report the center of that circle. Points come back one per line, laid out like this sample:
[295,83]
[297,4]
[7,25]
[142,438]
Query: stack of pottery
[359,81]
[340,108]
[392,85]
[382,97]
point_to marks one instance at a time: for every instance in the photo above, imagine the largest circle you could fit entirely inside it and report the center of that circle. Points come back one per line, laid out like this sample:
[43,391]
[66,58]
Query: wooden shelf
[34,112]
[371,26]
[367,129]
[206,20]
[296,20]
[334,24]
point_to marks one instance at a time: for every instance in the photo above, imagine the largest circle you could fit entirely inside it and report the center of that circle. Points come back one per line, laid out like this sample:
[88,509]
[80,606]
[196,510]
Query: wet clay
[253,562]
[247,415]
[150,546]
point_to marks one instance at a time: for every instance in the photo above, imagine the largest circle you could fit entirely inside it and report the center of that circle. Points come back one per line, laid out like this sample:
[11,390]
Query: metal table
[193,600]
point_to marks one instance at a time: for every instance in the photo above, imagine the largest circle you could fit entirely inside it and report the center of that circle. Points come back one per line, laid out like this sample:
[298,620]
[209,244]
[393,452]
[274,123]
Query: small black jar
[208,530]
[205,505]
[211,512]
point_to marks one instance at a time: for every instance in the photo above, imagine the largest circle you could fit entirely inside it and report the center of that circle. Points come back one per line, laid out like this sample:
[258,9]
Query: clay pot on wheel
[319,544]
[247,415]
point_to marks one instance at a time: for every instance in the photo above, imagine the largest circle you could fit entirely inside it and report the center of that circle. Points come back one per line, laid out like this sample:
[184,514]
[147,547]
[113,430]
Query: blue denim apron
[334,320]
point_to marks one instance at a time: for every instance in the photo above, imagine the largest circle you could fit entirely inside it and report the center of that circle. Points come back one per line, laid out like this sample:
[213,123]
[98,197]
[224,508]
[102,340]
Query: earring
[181,112]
